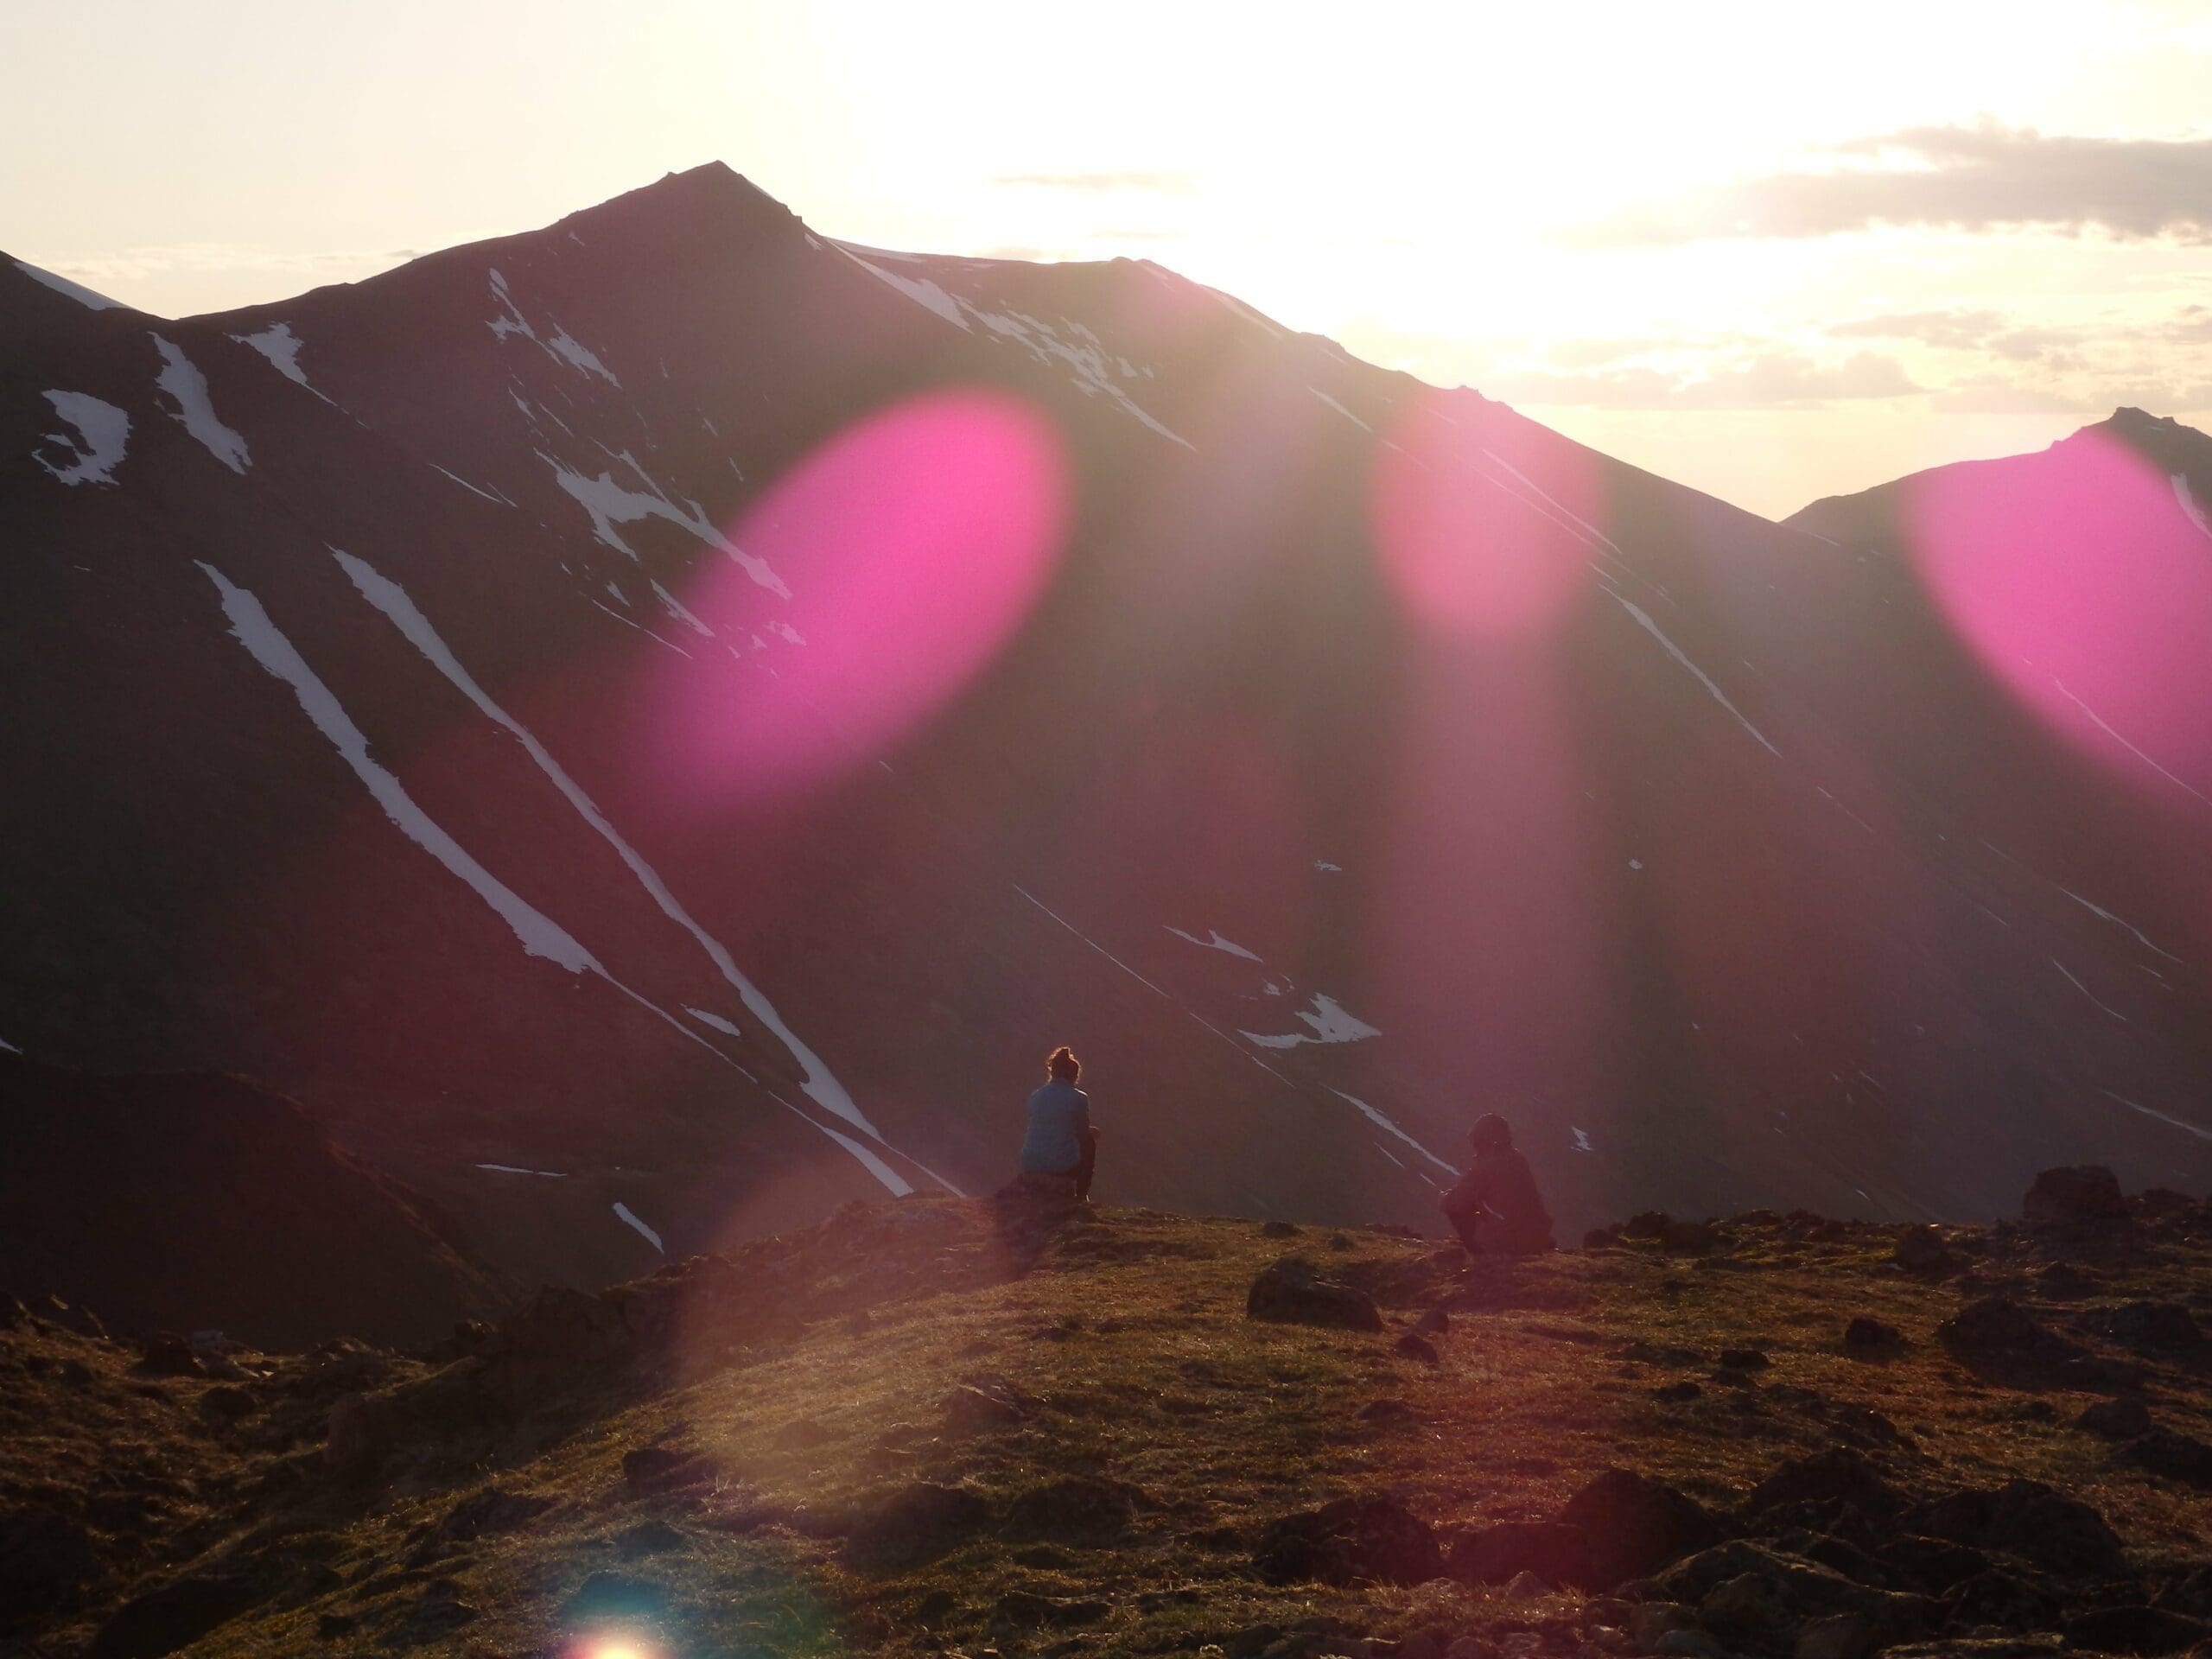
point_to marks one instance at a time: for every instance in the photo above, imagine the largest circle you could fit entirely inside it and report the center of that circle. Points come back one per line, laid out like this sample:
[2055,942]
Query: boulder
[1757,1598]
[2086,1194]
[1866,1337]
[2148,1327]
[1636,1525]
[985,1406]
[1433,1323]
[1410,1347]
[915,1524]
[1839,1475]
[1553,1551]
[1997,1328]
[168,1356]
[2024,1518]
[1352,1540]
[1290,1291]
[363,1429]
[1922,1251]
[2172,1454]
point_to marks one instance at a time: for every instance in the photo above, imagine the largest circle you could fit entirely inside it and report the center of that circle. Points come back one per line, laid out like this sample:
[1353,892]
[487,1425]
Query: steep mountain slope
[180,1203]
[678,705]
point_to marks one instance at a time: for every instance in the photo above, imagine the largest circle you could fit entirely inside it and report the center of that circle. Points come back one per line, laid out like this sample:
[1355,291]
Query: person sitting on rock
[1061,1152]
[1495,1207]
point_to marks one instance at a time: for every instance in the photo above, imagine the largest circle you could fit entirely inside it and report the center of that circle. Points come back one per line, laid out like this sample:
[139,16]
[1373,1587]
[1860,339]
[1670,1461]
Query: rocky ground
[938,1426]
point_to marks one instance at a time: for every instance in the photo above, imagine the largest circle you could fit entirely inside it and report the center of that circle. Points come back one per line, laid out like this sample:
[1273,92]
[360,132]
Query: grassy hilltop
[935,1427]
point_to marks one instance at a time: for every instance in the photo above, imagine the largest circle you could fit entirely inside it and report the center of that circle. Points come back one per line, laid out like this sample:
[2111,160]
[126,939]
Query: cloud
[1982,178]
[1164,180]
[1770,380]
[128,264]
[1955,330]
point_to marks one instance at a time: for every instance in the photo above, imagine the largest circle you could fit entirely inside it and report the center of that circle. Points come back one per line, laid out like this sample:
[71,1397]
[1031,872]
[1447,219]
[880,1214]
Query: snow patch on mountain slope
[496,500]
[1215,943]
[2189,502]
[282,347]
[2099,910]
[194,411]
[388,597]
[1643,619]
[2103,725]
[1340,409]
[103,432]
[920,290]
[2102,1008]
[540,936]
[517,1169]
[9,1047]
[559,346]
[629,1219]
[1087,363]
[1390,1127]
[676,608]
[1329,1023]
[609,504]
[714,1022]
[2182,1124]
[62,285]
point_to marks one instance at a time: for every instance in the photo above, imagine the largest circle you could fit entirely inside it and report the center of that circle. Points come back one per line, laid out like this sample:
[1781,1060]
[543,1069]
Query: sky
[1776,252]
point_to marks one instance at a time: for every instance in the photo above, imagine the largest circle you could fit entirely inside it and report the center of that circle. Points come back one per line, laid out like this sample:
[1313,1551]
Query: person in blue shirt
[1061,1148]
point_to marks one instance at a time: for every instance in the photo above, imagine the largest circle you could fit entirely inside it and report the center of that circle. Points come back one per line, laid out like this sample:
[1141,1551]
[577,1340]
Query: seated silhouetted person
[1060,1151]
[1495,1209]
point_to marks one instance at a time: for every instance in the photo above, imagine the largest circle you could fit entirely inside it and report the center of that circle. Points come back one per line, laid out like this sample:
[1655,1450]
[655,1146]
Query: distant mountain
[649,728]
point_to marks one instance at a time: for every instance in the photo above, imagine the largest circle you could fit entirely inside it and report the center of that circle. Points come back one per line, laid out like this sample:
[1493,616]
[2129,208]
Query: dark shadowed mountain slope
[177,1203]
[686,706]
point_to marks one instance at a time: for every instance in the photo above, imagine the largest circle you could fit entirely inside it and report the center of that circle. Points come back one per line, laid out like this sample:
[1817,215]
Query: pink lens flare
[914,544]
[1473,546]
[2083,585]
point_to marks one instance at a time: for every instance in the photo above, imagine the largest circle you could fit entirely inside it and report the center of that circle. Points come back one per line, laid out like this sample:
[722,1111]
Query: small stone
[1412,1347]
[1526,1587]
[1864,1336]
[2120,1418]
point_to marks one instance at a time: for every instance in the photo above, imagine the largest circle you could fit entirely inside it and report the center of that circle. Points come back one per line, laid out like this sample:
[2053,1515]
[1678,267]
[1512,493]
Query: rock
[1280,1229]
[1840,1636]
[45,1560]
[2119,1419]
[1931,1566]
[915,1524]
[1553,1551]
[168,1356]
[226,1404]
[1385,1411]
[1526,1587]
[1755,1598]
[664,1468]
[2065,1281]
[1435,1323]
[362,1430]
[1675,1394]
[1080,1509]
[1864,1336]
[1839,1475]
[2085,1194]
[2142,1630]
[1743,1359]
[1998,1328]
[567,1327]
[1921,1251]
[2001,1600]
[1636,1525]
[2149,1327]
[2061,1535]
[1410,1347]
[1290,1291]
[1351,1540]
[328,1627]
[490,1512]
[2174,1455]
[174,1615]
[971,1409]
[1647,1223]
[1648,1621]
[1688,1238]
